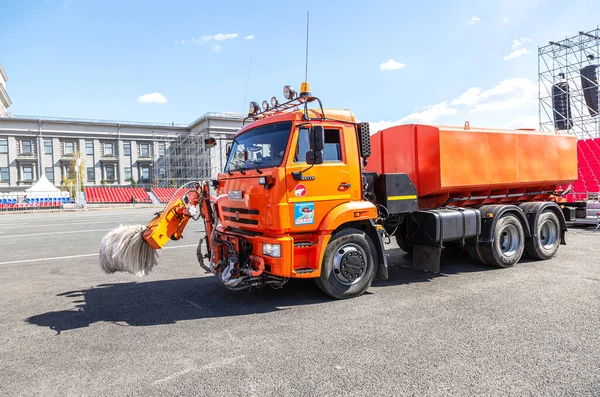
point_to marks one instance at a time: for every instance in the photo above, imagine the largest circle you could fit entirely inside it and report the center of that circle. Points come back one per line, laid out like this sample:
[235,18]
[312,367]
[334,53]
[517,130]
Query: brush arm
[167,225]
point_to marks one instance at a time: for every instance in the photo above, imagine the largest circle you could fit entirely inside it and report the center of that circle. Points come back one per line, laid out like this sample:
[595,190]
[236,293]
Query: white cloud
[508,94]
[216,48]
[518,43]
[249,37]
[391,65]
[473,21]
[155,97]
[427,116]
[516,97]
[469,97]
[517,48]
[505,20]
[516,54]
[531,121]
[219,37]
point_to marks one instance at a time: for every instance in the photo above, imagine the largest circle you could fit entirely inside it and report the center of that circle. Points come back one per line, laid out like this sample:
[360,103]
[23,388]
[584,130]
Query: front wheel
[348,266]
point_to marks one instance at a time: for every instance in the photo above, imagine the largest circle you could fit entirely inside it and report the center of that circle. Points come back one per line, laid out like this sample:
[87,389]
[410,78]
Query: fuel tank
[445,162]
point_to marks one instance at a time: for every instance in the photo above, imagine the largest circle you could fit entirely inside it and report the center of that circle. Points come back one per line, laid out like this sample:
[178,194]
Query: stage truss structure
[568,83]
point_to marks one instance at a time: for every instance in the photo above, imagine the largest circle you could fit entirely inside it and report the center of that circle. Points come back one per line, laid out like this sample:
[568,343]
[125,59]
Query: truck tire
[348,265]
[546,244]
[401,238]
[404,244]
[475,252]
[508,245]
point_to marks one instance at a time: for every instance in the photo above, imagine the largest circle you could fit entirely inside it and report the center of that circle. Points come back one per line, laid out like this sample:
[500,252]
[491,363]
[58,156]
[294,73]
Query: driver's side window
[302,146]
[332,151]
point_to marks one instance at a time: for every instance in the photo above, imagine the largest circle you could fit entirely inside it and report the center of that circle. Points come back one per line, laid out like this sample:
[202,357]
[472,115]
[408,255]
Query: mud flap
[427,257]
[382,268]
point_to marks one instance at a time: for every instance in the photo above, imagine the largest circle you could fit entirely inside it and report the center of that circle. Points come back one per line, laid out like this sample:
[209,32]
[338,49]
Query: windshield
[261,147]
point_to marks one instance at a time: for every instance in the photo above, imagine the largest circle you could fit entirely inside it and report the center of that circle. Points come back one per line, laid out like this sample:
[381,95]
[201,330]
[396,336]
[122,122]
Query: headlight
[273,250]
[274,102]
[288,92]
[265,105]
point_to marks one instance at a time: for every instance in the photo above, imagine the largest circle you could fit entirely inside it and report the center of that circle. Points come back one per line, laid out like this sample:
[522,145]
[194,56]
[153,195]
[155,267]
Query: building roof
[3,73]
[4,98]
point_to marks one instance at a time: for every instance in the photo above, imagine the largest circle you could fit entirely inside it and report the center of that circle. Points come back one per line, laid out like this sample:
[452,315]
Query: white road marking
[6,226]
[47,259]
[54,233]
[65,224]
[79,256]
[212,365]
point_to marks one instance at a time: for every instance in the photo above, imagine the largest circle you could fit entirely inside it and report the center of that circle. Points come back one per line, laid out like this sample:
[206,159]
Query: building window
[26,147]
[68,172]
[144,150]
[4,176]
[69,147]
[162,173]
[127,149]
[89,148]
[47,146]
[28,173]
[50,173]
[91,174]
[108,149]
[127,173]
[161,149]
[145,173]
[3,145]
[109,171]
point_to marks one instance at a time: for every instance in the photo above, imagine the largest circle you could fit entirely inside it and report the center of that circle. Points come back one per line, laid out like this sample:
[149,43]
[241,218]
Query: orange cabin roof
[344,115]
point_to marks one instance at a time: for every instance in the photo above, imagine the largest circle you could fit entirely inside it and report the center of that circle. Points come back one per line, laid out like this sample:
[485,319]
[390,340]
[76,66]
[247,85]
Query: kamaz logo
[236,195]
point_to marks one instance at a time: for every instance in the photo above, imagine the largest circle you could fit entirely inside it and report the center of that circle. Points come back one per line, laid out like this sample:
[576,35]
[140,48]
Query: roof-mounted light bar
[293,100]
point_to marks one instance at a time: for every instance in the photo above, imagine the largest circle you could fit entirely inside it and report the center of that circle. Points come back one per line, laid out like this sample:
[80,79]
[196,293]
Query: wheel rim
[548,234]
[349,264]
[509,240]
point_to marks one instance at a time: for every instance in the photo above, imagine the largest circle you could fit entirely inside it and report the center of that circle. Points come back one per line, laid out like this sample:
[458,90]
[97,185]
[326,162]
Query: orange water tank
[447,162]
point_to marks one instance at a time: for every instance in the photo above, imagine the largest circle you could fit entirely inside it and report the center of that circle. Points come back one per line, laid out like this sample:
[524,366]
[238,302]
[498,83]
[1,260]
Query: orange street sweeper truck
[308,192]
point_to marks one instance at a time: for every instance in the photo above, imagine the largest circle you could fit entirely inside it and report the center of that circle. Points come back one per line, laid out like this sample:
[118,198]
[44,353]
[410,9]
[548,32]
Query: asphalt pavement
[68,329]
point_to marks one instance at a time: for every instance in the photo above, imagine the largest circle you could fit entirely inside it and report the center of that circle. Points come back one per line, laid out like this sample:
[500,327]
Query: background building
[112,153]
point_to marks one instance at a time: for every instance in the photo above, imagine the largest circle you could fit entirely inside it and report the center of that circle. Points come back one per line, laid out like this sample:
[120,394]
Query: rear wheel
[348,264]
[401,238]
[548,237]
[508,245]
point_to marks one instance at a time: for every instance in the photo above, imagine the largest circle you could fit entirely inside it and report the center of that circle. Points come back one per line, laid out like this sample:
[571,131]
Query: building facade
[111,152]
[117,153]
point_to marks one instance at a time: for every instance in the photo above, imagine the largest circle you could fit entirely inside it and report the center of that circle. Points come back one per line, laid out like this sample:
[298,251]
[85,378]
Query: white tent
[43,187]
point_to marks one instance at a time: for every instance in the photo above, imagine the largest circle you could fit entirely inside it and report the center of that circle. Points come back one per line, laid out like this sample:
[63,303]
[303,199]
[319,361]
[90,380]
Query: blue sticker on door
[304,213]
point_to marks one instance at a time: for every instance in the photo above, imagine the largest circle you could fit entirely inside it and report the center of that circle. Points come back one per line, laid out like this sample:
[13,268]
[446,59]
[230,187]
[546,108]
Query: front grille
[244,211]
[242,220]
[243,231]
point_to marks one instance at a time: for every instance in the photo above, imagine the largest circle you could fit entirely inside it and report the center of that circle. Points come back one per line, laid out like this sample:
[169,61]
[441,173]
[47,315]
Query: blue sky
[95,59]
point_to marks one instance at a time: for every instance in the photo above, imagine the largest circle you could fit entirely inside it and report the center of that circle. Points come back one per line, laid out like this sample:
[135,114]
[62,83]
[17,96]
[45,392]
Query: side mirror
[316,136]
[210,142]
[314,157]
[228,149]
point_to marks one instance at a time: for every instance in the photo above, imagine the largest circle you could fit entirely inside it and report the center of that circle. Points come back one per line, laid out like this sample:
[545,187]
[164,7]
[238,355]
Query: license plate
[236,195]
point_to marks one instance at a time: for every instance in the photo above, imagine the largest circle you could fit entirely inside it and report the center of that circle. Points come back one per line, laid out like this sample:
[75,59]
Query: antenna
[307,29]
[247,81]
[304,88]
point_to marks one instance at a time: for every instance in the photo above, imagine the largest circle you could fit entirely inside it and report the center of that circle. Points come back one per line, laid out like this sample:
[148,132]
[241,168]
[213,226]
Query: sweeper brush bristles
[124,250]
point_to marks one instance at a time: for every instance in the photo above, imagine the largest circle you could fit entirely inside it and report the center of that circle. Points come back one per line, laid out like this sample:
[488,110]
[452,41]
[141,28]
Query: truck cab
[292,181]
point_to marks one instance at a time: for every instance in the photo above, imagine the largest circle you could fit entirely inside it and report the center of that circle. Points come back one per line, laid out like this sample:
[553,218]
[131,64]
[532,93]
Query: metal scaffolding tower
[187,158]
[568,85]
